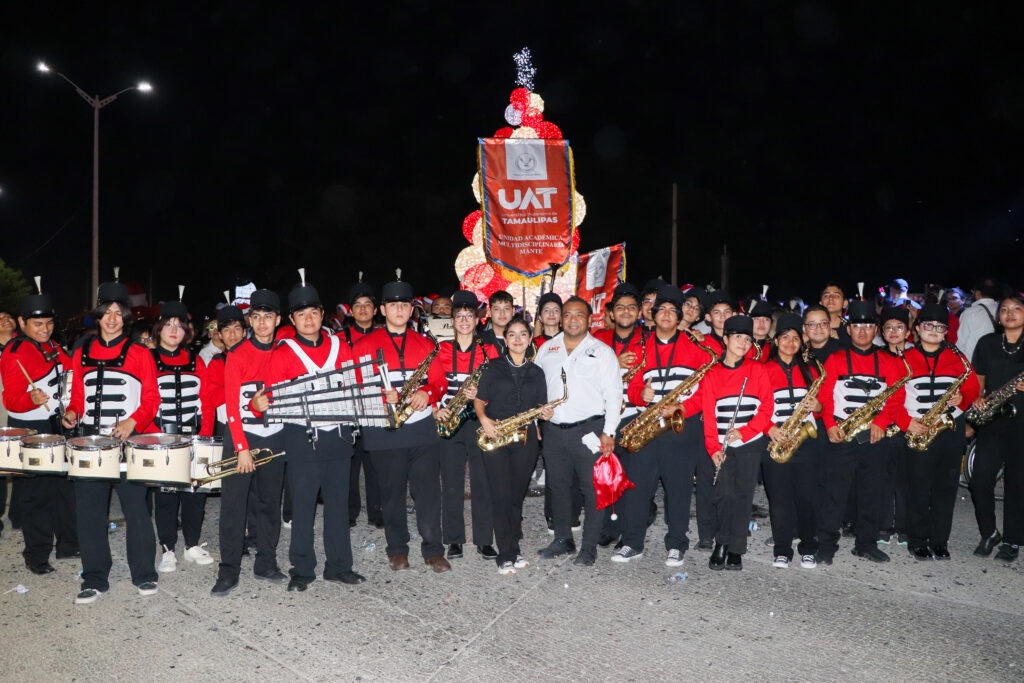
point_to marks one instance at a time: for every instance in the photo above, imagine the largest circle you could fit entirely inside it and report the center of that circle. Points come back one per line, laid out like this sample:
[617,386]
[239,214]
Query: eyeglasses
[934,327]
[861,326]
[626,307]
[465,316]
[816,326]
[894,328]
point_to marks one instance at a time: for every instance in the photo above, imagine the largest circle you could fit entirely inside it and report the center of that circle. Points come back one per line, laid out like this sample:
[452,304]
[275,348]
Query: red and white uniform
[631,344]
[245,373]
[184,394]
[403,353]
[854,378]
[215,388]
[354,333]
[667,364]
[713,341]
[720,394]
[44,364]
[788,389]
[452,366]
[112,382]
[934,373]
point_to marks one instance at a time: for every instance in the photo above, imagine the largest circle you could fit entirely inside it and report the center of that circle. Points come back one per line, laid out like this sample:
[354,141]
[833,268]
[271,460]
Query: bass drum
[94,458]
[44,454]
[206,451]
[967,468]
[160,460]
[10,448]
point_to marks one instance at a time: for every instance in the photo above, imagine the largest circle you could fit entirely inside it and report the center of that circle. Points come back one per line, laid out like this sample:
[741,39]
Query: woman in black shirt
[510,385]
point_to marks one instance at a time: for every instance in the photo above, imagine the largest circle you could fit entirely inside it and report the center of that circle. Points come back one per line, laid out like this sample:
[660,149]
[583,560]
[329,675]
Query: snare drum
[44,454]
[206,450]
[160,460]
[94,457]
[10,448]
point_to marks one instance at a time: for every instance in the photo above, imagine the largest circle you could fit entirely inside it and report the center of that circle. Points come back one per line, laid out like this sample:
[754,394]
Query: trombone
[230,466]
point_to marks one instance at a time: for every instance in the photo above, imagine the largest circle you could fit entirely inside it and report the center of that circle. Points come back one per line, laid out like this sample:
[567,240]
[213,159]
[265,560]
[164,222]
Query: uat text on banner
[527,203]
[597,275]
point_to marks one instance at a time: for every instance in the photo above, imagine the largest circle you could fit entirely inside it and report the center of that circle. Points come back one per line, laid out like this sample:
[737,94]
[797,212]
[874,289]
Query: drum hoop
[162,442]
[43,441]
[94,443]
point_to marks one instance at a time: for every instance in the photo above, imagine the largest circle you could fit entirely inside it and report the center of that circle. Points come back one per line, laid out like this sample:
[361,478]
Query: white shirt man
[975,322]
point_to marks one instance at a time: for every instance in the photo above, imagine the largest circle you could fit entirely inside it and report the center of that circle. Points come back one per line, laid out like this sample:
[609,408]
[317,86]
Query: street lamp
[97,103]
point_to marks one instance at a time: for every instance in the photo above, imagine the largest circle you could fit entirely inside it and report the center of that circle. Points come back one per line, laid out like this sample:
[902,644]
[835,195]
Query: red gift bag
[610,481]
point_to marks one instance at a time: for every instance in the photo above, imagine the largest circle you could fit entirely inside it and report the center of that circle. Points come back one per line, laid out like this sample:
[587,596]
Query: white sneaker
[286,524]
[781,561]
[521,562]
[198,554]
[88,596]
[506,568]
[808,562]
[675,558]
[168,562]
[625,554]
[542,478]
[576,529]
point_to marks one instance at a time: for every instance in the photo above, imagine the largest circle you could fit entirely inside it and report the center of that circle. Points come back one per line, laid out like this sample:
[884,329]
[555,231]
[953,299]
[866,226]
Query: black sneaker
[299,583]
[824,557]
[487,552]
[849,530]
[1007,553]
[87,596]
[350,577]
[147,588]
[223,587]
[717,559]
[921,553]
[557,548]
[606,540]
[873,554]
[733,561]
[454,551]
[587,556]
[273,576]
[987,545]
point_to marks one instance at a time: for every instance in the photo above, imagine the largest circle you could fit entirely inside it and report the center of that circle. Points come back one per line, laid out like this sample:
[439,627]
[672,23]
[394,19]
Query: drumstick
[25,372]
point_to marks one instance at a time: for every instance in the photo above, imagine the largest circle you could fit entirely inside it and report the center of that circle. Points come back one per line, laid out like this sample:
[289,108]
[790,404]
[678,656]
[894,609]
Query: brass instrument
[459,408]
[997,404]
[862,417]
[402,411]
[650,424]
[628,376]
[230,466]
[796,429]
[513,429]
[937,419]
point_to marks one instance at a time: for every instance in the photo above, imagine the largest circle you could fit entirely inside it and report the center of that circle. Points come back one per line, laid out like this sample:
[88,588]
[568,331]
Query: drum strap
[99,364]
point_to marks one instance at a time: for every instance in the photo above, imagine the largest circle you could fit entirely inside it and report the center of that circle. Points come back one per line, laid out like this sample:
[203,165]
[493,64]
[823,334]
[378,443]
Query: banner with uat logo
[526,199]
[598,274]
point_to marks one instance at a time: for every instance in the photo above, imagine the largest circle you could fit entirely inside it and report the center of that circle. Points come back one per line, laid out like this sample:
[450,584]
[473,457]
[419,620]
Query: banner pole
[675,235]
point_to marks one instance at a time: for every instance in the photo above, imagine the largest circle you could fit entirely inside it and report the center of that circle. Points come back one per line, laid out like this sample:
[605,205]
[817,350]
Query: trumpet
[230,466]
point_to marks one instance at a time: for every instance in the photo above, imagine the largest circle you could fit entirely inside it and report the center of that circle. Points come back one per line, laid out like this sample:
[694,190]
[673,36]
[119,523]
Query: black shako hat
[739,324]
[761,309]
[625,289]
[653,286]
[546,298]
[719,296]
[37,305]
[669,295]
[861,312]
[113,292]
[229,314]
[303,295]
[936,313]
[465,299]
[396,291]
[175,309]
[265,299]
[789,321]
[895,313]
[359,290]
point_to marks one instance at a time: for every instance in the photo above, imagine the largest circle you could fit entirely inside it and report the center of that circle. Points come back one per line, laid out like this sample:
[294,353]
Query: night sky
[855,142]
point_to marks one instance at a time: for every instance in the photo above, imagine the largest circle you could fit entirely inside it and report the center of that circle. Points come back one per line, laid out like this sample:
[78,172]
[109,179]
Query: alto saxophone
[513,429]
[403,410]
[650,424]
[937,419]
[996,404]
[862,417]
[796,429]
[459,407]
[628,376]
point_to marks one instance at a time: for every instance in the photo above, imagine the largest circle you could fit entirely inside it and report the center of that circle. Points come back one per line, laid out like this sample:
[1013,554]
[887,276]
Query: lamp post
[97,103]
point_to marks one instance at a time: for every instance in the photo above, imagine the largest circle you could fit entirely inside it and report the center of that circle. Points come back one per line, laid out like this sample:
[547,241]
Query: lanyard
[663,374]
[625,344]
[399,351]
[455,356]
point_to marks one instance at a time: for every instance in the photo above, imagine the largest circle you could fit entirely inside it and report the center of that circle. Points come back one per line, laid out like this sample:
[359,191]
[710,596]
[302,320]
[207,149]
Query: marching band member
[719,309]
[669,358]
[363,302]
[102,365]
[834,301]
[409,456]
[792,486]
[592,408]
[736,399]
[455,362]
[244,371]
[761,315]
[510,385]
[998,359]
[47,503]
[934,475]
[8,329]
[895,330]
[893,520]
[818,333]
[693,310]
[319,463]
[626,340]
[501,308]
[184,409]
[549,318]
[647,298]
[857,375]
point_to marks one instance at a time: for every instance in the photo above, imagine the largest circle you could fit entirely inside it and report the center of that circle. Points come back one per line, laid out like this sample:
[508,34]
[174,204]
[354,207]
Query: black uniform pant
[455,453]
[565,457]
[324,469]
[92,502]
[893,514]
[847,465]
[671,459]
[575,493]
[734,494]
[506,476]
[1000,444]
[361,459]
[933,478]
[707,520]
[792,490]
[416,469]
[165,509]
[3,497]
[235,506]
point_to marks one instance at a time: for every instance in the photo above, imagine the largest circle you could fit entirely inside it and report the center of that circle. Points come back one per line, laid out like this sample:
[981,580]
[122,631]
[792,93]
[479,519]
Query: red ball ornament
[575,241]
[532,117]
[548,131]
[505,132]
[477,277]
[468,224]
[520,99]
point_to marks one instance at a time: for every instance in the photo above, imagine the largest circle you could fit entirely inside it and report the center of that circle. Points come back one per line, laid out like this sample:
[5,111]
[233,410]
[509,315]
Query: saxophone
[937,419]
[650,424]
[861,418]
[459,408]
[796,429]
[402,410]
[996,404]
[628,376]
[513,429]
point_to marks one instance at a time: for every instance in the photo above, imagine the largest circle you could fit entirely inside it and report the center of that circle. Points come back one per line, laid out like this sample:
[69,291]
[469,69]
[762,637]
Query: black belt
[570,425]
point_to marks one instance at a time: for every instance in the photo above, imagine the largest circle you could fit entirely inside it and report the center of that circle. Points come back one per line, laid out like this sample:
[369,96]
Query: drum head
[94,443]
[15,433]
[43,440]
[148,441]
